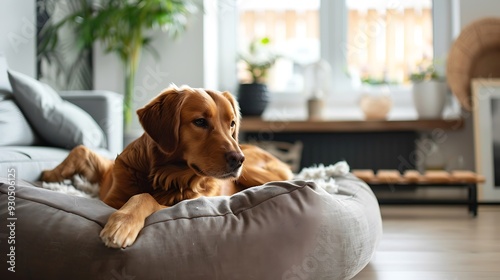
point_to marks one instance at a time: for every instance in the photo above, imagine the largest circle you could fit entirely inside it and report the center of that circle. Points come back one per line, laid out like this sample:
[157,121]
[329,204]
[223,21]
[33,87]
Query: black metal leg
[470,199]
[473,197]
[470,202]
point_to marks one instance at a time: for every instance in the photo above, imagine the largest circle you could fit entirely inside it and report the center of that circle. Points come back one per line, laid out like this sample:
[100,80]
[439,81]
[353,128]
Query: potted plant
[252,93]
[122,27]
[429,92]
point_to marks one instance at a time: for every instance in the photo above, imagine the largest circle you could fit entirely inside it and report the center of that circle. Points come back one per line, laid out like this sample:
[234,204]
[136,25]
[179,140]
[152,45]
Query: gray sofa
[21,145]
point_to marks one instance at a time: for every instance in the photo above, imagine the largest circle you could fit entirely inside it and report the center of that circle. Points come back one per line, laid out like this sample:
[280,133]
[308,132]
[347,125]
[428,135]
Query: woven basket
[474,54]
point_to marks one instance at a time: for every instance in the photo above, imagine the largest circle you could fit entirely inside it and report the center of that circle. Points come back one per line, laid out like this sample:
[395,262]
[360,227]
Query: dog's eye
[201,122]
[233,123]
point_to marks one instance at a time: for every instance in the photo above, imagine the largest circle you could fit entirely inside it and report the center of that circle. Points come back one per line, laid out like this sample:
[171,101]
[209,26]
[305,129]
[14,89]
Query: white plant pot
[429,98]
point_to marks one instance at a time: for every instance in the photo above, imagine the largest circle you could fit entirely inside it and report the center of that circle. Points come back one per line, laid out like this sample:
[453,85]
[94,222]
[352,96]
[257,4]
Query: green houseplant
[425,73]
[122,27]
[258,60]
[429,91]
[252,91]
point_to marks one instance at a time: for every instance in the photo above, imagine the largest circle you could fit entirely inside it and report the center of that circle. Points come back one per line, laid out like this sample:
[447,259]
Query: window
[370,40]
[387,40]
[292,27]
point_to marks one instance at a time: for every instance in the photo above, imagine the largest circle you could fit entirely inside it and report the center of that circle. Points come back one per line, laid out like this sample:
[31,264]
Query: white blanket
[323,176]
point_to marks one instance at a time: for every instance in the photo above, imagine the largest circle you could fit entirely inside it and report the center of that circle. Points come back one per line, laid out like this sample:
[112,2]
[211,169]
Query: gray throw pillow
[5,87]
[58,122]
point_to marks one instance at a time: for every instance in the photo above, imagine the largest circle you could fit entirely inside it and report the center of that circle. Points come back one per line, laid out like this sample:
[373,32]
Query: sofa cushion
[282,230]
[30,161]
[58,122]
[5,88]
[14,127]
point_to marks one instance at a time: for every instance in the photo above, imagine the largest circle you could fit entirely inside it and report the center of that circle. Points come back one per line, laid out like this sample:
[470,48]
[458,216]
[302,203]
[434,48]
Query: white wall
[181,61]
[18,35]
[471,10]
[461,142]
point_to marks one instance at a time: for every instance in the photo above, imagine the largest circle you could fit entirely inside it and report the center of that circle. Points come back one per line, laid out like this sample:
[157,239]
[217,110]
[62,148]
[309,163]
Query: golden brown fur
[189,149]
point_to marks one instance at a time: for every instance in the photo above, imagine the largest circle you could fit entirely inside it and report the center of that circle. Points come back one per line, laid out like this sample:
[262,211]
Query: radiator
[363,150]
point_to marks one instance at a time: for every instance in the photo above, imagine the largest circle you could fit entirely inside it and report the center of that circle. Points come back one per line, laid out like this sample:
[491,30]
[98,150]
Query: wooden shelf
[256,124]
[413,177]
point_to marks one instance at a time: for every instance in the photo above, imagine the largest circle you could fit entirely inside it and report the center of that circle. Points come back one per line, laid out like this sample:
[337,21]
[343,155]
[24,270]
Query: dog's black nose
[234,159]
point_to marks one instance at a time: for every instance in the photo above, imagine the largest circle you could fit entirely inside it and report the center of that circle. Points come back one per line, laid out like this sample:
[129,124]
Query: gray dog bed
[282,230]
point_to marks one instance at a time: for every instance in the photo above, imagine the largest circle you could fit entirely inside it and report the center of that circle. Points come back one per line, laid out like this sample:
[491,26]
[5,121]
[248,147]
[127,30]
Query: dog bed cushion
[282,230]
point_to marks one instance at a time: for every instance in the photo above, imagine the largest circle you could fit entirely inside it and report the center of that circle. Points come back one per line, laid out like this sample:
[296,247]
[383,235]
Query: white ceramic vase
[375,102]
[429,98]
[375,107]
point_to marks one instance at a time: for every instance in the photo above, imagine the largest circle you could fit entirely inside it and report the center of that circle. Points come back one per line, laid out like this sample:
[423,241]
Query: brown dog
[189,149]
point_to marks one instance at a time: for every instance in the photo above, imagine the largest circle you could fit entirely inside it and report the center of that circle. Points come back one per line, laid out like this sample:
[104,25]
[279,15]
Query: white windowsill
[345,107]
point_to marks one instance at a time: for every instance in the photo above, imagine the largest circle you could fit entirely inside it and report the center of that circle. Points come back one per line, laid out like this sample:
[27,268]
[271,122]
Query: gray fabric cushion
[30,161]
[283,230]
[106,108]
[14,126]
[57,121]
[5,87]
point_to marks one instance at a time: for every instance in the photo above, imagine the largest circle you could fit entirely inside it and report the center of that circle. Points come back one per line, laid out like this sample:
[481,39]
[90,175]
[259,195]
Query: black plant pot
[253,99]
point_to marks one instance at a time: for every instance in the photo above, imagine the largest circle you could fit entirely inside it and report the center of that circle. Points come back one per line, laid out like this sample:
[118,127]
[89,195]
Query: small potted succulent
[252,93]
[429,92]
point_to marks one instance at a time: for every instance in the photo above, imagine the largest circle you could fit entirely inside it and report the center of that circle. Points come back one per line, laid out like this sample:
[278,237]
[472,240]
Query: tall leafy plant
[66,66]
[122,27]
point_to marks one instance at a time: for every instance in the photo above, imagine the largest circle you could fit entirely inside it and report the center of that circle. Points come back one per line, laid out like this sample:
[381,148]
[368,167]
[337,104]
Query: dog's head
[198,126]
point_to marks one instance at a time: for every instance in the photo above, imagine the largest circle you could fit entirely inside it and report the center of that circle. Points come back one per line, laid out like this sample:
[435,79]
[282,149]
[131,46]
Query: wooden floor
[442,243]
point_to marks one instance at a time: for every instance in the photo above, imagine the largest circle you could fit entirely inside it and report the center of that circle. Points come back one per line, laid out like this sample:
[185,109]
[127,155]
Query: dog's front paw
[121,230]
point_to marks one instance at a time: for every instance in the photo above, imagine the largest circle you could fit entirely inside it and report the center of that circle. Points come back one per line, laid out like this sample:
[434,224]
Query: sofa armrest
[106,108]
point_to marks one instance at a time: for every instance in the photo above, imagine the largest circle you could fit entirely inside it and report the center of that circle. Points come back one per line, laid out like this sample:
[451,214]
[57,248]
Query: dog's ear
[160,119]
[236,109]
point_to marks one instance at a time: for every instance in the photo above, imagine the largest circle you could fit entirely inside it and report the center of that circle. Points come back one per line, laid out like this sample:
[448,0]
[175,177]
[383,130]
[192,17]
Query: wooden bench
[413,178]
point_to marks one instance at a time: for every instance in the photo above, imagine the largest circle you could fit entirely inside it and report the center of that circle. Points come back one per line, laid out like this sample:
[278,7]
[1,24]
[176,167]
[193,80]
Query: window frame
[333,17]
